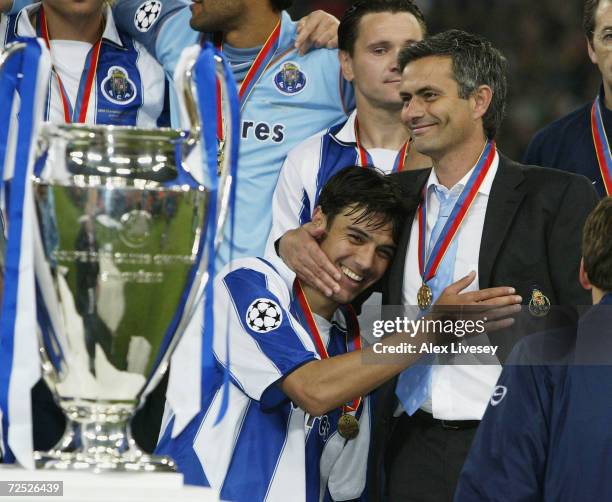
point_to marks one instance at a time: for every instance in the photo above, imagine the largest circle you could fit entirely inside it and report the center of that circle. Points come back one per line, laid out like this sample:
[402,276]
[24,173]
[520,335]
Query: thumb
[461,284]
[315,231]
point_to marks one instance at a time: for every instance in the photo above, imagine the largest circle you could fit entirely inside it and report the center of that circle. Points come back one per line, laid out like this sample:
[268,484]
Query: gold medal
[424,297]
[348,426]
[539,305]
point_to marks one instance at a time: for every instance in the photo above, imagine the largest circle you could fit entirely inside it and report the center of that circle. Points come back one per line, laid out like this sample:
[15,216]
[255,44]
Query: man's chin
[195,25]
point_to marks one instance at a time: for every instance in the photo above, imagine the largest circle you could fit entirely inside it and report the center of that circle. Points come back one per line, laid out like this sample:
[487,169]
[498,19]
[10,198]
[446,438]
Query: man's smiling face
[361,247]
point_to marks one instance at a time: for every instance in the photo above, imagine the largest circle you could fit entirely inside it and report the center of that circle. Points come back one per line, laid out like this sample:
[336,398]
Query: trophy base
[100,447]
[132,461]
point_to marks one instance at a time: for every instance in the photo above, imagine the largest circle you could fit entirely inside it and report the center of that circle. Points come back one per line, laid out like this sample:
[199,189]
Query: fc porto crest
[117,87]
[539,304]
[290,80]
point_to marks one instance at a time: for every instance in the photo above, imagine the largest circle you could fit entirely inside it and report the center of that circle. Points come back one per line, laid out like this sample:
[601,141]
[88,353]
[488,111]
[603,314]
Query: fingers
[501,312]
[313,230]
[306,32]
[489,296]
[302,254]
[456,287]
[318,29]
[316,270]
[302,42]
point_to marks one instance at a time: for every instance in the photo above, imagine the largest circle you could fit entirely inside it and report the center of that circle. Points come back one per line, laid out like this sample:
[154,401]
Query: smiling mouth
[420,128]
[350,274]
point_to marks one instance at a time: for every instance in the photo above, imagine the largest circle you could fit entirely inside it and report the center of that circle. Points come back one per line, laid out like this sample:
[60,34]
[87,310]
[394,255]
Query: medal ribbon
[259,66]
[79,114]
[602,147]
[352,327]
[365,159]
[428,270]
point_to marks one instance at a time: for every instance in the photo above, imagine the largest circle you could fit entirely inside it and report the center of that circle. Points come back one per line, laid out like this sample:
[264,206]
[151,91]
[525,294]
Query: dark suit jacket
[531,238]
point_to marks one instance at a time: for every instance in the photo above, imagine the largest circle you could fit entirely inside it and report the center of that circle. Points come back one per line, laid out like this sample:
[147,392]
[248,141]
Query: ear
[319,220]
[346,64]
[591,51]
[482,99]
[584,277]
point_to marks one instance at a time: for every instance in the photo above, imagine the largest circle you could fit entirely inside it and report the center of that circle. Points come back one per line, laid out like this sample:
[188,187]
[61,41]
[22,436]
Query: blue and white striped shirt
[266,448]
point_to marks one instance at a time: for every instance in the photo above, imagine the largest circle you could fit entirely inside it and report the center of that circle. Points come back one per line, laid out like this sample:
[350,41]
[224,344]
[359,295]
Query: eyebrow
[419,91]
[391,247]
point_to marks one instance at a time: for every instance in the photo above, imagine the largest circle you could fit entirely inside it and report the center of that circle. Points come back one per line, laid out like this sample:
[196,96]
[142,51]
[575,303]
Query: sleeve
[162,26]
[507,460]
[565,240]
[291,204]
[266,343]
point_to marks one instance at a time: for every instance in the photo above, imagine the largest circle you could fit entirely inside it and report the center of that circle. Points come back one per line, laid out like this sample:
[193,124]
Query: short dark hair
[281,4]
[348,31]
[475,62]
[588,18]
[376,198]
[597,245]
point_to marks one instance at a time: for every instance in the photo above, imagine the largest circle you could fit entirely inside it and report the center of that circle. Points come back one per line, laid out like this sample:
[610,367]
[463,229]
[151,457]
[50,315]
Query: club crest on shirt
[117,87]
[264,315]
[290,79]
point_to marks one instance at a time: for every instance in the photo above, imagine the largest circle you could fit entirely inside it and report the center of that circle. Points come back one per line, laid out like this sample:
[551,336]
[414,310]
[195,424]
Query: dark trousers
[425,457]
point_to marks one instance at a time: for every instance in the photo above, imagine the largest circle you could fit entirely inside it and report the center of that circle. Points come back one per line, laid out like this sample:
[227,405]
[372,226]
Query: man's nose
[412,110]
[365,257]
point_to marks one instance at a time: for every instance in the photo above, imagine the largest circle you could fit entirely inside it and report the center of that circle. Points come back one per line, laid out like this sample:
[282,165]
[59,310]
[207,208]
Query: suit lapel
[411,183]
[507,193]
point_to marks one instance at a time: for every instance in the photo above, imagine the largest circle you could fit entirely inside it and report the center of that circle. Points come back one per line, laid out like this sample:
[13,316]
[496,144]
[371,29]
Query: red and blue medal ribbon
[353,335]
[428,268]
[258,68]
[365,159]
[79,113]
[602,147]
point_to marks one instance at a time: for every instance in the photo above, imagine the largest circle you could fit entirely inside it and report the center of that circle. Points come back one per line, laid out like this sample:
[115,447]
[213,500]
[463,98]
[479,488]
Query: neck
[253,30]
[607,95]
[597,295]
[319,303]
[451,166]
[380,127]
[82,27]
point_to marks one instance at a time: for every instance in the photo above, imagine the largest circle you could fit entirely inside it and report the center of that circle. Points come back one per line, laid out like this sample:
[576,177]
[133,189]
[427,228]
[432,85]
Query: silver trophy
[121,265]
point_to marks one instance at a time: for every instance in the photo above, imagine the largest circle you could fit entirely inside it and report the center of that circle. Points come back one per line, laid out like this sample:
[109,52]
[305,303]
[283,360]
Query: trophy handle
[9,50]
[195,126]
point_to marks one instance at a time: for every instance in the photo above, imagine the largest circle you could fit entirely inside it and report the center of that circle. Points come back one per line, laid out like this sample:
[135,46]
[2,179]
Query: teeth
[350,274]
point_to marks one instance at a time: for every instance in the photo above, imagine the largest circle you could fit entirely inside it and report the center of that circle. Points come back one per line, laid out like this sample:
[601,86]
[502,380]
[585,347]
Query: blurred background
[550,71]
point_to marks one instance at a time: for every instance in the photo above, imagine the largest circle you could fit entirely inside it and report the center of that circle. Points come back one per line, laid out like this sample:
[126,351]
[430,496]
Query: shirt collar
[346,134]
[24,27]
[485,187]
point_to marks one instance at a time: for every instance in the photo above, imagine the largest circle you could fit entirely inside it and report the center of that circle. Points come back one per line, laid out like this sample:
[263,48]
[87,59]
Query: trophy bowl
[120,265]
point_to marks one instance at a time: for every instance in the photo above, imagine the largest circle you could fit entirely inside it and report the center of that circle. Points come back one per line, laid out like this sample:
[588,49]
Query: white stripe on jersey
[292,458]
[214,445]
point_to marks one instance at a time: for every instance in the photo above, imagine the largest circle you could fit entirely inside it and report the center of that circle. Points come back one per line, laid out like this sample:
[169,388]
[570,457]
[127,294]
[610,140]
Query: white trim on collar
[346,134]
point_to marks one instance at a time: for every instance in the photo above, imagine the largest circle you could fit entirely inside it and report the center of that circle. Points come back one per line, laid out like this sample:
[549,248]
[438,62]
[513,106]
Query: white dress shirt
[458,392]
